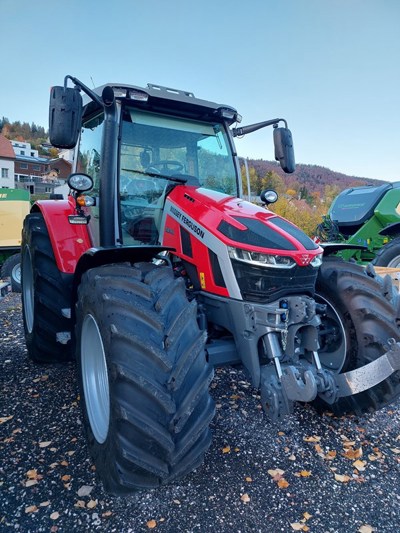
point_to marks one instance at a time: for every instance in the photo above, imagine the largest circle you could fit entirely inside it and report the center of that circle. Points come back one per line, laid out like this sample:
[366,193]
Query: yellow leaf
[151,524]
[318,448]
[44,444]
[31,509]
[307,516]
[342,479]
[281,433]
[55,515]
[312,439]
[297,526]
[331,455]
[245,498]
[306,528]
[305,473]
[4,419]
[227,449]
[283,484]
[248,479]
[237,449]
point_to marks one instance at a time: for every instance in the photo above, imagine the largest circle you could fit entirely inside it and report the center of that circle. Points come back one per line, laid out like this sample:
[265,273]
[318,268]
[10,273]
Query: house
[7,162]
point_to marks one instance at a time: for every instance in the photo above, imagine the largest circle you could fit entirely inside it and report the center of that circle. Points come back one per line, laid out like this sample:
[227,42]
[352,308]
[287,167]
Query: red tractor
[154,270]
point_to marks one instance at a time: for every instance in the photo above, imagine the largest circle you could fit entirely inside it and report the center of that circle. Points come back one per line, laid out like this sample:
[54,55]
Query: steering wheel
[162,166]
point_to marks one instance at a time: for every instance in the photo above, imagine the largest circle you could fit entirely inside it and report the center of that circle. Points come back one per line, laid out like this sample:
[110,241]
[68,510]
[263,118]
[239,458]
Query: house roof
[6,149]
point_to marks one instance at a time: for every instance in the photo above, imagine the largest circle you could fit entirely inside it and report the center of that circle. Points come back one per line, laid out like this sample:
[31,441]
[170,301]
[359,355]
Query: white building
[7,163]
[24,149]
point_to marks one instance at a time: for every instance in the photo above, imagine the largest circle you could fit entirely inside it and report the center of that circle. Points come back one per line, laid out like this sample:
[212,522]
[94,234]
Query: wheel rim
[95,379]
[332,338]
[28,290]
[395,262]
[16,273]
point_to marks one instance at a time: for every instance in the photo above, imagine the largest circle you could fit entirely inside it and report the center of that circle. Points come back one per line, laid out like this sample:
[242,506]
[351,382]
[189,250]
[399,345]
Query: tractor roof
[158,97]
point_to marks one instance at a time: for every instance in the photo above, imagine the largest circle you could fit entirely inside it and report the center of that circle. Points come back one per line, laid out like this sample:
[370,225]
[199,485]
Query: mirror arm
[85,89]
[238,132]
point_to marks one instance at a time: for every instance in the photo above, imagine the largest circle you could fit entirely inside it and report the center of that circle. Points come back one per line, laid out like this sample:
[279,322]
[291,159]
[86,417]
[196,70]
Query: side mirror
[65,116]
[284,151]
[269,196]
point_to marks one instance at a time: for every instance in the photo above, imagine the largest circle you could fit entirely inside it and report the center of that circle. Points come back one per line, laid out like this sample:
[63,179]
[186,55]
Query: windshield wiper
[179,179]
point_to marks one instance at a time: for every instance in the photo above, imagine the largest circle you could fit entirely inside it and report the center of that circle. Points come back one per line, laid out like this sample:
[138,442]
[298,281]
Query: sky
[331,68]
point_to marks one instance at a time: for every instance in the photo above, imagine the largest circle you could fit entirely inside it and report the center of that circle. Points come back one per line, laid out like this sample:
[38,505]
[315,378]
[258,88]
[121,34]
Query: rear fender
[69,241]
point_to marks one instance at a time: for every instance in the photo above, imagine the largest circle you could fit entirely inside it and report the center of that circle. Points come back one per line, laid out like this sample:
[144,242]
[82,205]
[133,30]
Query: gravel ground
[309,473]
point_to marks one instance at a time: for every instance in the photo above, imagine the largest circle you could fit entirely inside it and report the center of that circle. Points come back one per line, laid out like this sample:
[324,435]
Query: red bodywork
[69,241]
[200,211]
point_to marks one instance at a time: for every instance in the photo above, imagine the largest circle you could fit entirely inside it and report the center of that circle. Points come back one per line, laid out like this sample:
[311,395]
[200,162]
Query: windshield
[157,151]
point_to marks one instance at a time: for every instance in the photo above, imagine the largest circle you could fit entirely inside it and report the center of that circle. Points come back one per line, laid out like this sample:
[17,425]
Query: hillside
[315,178]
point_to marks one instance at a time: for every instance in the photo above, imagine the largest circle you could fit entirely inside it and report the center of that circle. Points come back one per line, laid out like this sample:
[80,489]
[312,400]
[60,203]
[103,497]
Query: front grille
[264,285]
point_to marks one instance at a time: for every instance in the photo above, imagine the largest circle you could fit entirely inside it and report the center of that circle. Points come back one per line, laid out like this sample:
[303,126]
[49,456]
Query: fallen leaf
[314,438]
[276,473]
[318,449]
[64,463]
[32,474]
[31,482]
[281,433]
[395,450]
[44,504]
[45,377]
[44,444]
[366,529]
[106,513]
[80,503]
[4,419]
[66,477]
[331,454]
[342,478]
[353,454]
[292,457]
[305,473]
[283,484]
[177,502]
[349,443]
[31,509]
[151,524]
[248,479]
[245,498]
[18,430]
[307,516]
[55,515]
[70,453]
[227,449]
[297,526]
[91,504]
[360,465]
[85,490]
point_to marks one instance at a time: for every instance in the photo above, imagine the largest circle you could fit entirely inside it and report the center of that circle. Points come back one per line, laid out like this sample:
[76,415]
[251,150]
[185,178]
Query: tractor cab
[137,144]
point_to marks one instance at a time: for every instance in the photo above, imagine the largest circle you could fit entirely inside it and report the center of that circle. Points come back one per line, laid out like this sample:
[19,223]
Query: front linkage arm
[304,382]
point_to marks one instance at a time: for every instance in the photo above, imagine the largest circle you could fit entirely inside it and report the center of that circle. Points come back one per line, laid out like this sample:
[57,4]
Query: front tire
[46,292]
[143,376]
[362,317]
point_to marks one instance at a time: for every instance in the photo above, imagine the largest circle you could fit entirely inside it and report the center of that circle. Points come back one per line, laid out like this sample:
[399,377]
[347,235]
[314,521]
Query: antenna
[92,82]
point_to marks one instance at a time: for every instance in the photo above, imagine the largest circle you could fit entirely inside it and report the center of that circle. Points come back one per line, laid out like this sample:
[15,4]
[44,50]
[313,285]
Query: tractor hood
[238,223]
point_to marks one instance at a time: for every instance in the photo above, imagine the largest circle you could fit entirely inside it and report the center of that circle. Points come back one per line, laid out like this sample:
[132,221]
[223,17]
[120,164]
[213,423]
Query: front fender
[69,241]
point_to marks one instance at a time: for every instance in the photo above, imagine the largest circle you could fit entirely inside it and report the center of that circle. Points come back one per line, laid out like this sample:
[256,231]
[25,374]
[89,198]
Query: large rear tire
[361,317]
[46,292]
[143,376]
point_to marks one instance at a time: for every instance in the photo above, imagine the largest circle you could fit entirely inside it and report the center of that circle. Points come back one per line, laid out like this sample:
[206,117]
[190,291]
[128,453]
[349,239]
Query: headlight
[259,259]
[317,261]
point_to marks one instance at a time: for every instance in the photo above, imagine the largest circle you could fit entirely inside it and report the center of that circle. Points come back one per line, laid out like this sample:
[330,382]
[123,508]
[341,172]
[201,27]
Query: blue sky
[330,67]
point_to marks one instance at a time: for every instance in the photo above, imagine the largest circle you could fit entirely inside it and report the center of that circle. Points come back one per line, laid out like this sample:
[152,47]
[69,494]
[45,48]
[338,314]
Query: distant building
[7,163]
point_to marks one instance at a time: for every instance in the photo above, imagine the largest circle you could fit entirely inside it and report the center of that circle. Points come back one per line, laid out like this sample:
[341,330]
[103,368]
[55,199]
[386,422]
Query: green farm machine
[363,224]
